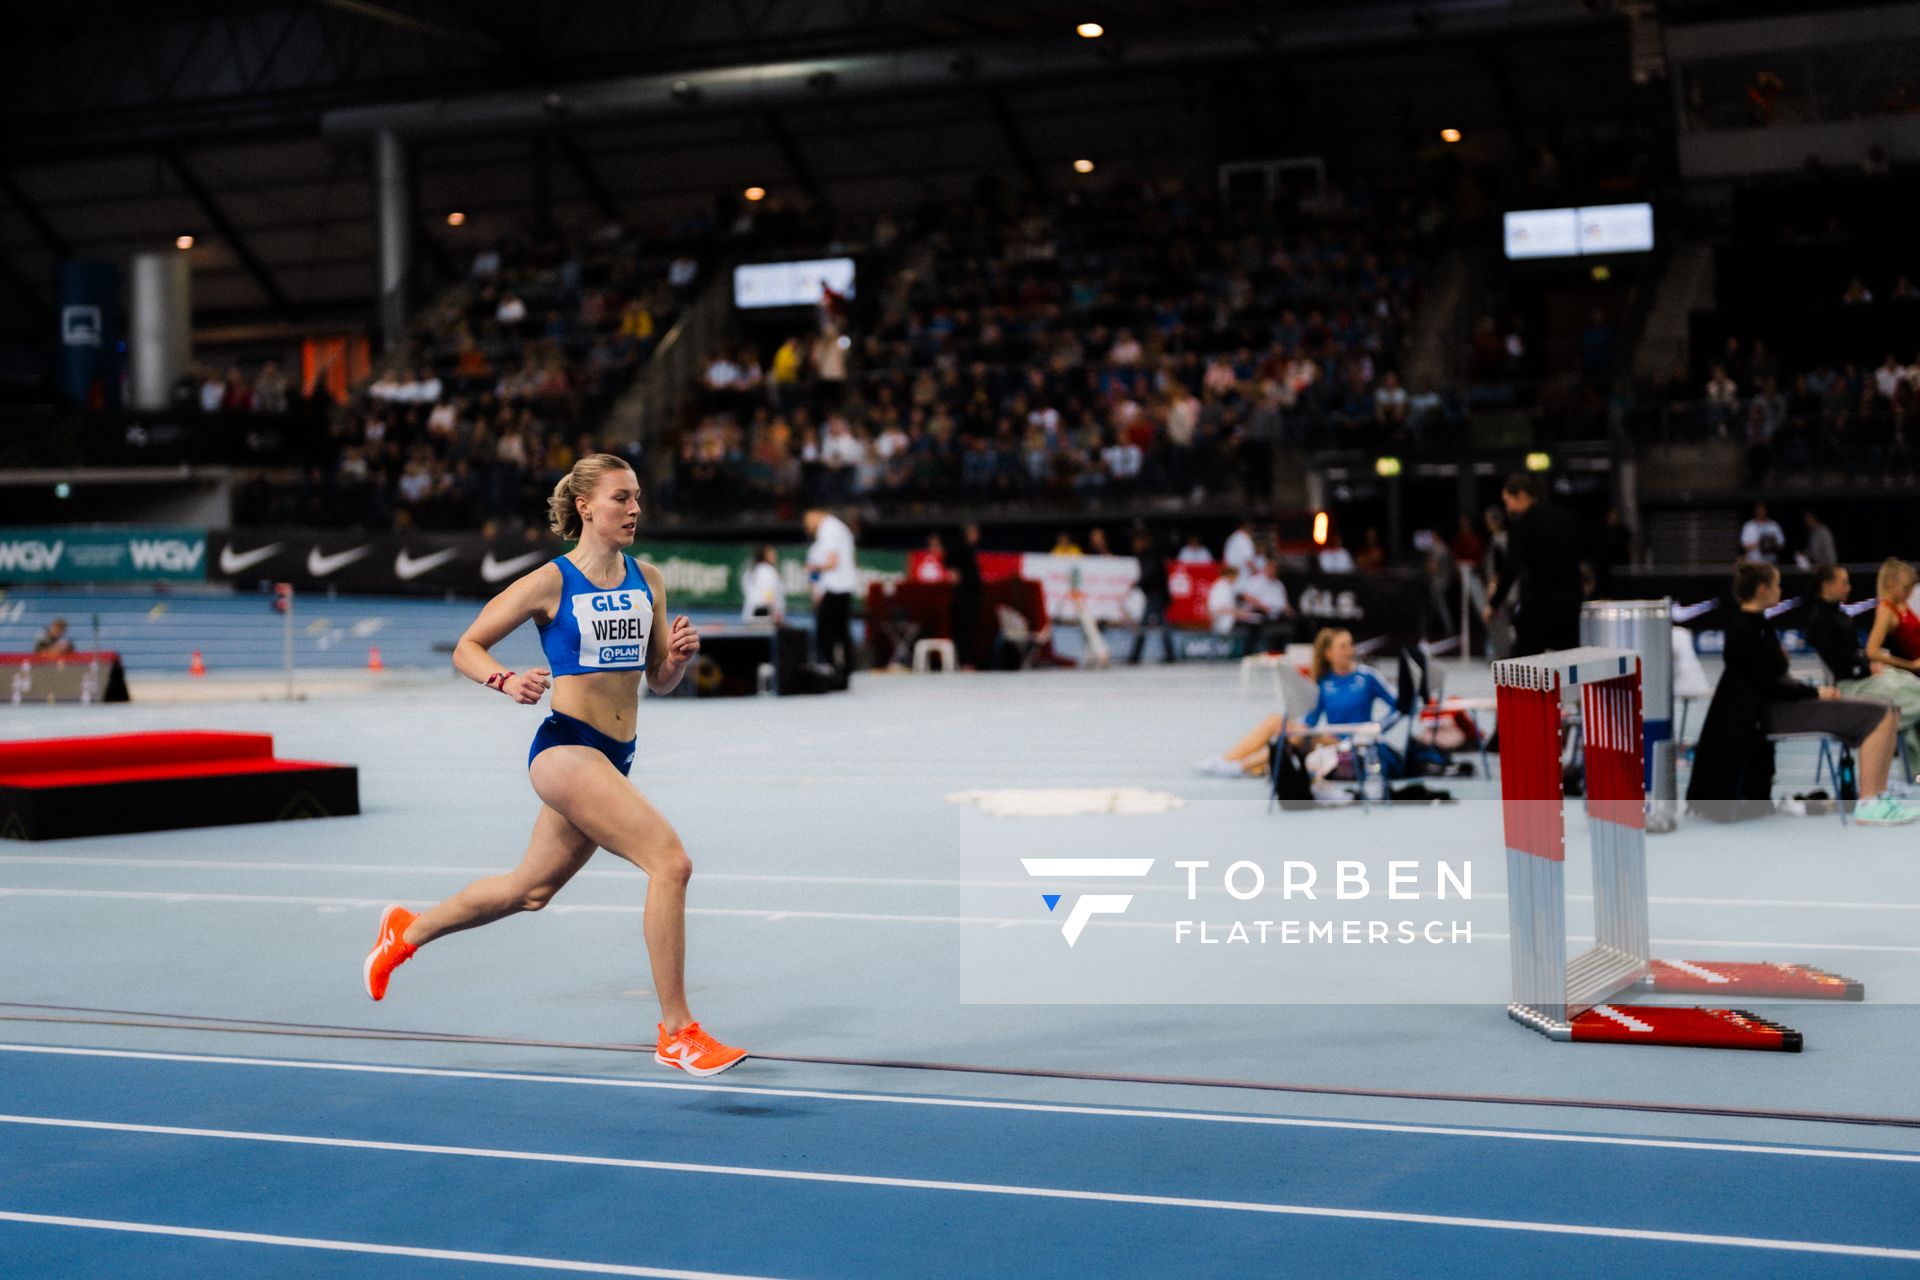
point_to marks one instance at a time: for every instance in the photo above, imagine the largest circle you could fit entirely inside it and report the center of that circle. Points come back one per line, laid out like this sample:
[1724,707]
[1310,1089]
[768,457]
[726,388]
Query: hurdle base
[1769,981]
[1663,1025]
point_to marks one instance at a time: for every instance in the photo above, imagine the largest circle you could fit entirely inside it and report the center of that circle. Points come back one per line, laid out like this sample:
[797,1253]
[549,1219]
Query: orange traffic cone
[373,659]
[196,667]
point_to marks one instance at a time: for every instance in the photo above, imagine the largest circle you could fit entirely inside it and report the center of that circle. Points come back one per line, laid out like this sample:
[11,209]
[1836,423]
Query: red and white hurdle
[1571,999]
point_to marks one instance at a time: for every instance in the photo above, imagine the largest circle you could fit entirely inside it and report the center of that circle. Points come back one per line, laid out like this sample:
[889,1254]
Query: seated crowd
[267,390]
[504,382]
[1133,340]
[1853,418]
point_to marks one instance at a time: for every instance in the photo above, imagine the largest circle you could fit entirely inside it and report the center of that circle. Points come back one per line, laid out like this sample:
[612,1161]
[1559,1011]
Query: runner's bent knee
[664,859]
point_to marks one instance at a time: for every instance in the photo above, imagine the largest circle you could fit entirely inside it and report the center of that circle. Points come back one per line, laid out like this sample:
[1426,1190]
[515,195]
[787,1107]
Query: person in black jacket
[963,571]
[1157,595]
[1733,762]
[1543,561]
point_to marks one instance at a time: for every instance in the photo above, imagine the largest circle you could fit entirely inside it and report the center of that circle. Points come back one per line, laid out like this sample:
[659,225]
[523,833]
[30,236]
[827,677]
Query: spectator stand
[506,378]
[1048,354]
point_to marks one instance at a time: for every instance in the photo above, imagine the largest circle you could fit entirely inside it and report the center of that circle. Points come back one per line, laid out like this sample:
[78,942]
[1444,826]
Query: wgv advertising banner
[72,553]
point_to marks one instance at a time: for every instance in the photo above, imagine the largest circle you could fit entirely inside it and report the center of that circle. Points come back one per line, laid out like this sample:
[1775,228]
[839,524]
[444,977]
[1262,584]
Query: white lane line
[358,1246]
[627,873]
[756,913]
[983,1104]
[561,908]
[989,1188]
[885,882]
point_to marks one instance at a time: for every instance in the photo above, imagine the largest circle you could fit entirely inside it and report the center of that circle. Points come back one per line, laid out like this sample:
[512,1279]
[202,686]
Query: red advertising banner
[995,566]
[1187,587]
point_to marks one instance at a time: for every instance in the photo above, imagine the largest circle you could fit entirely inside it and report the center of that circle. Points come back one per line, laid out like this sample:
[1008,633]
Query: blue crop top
[1349,699]
[596,629]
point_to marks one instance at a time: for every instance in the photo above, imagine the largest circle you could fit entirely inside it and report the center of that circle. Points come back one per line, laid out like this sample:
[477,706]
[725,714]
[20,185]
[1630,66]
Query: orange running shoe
[695,1052]
[390,949]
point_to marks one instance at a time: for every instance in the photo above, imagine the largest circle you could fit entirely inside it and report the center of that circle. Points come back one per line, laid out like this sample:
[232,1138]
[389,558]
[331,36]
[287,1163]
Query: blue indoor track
[736,1179]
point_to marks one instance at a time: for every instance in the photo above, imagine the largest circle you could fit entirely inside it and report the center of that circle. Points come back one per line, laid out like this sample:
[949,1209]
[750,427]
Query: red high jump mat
[61,787]
[1719,977]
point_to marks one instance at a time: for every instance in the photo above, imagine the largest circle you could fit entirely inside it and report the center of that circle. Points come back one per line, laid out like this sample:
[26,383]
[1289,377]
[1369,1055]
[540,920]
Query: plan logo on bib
[1088,905]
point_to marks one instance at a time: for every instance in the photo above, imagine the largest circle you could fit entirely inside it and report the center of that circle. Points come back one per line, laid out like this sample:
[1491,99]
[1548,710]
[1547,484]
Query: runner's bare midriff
[607,700]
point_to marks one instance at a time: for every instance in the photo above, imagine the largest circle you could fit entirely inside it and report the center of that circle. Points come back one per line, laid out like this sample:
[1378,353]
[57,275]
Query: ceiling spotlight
[456,219]
[183,242]
[1449,135]
[1083,166]
[756,193]
[685,92]
[1090,30]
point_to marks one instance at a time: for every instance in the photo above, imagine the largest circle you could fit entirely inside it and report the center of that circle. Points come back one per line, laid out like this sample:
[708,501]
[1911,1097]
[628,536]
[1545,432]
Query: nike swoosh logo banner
[320,566]
[703,575]
[232,561]
[407,568]
[492,570]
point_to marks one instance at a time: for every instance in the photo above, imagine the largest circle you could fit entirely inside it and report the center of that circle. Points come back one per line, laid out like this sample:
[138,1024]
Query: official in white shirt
[765,600]
[1762,538]
[830,566]
[1239,549]
[1195,552]
[1266,595]
[1225,609]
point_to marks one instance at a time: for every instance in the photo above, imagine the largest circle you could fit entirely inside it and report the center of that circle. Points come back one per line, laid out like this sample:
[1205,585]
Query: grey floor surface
[828,919]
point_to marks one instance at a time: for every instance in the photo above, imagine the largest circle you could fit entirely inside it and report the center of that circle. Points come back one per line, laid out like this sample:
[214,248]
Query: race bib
[614,626]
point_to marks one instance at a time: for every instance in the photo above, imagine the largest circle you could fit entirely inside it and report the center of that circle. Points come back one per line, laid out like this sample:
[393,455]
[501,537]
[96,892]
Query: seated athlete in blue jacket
[1349,691]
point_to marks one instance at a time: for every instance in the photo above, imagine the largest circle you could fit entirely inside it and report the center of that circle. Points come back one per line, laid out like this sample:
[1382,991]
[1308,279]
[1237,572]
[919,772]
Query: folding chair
[1690,682]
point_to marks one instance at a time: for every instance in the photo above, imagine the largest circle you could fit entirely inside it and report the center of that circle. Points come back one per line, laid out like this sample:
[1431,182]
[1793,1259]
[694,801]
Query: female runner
[602,621]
